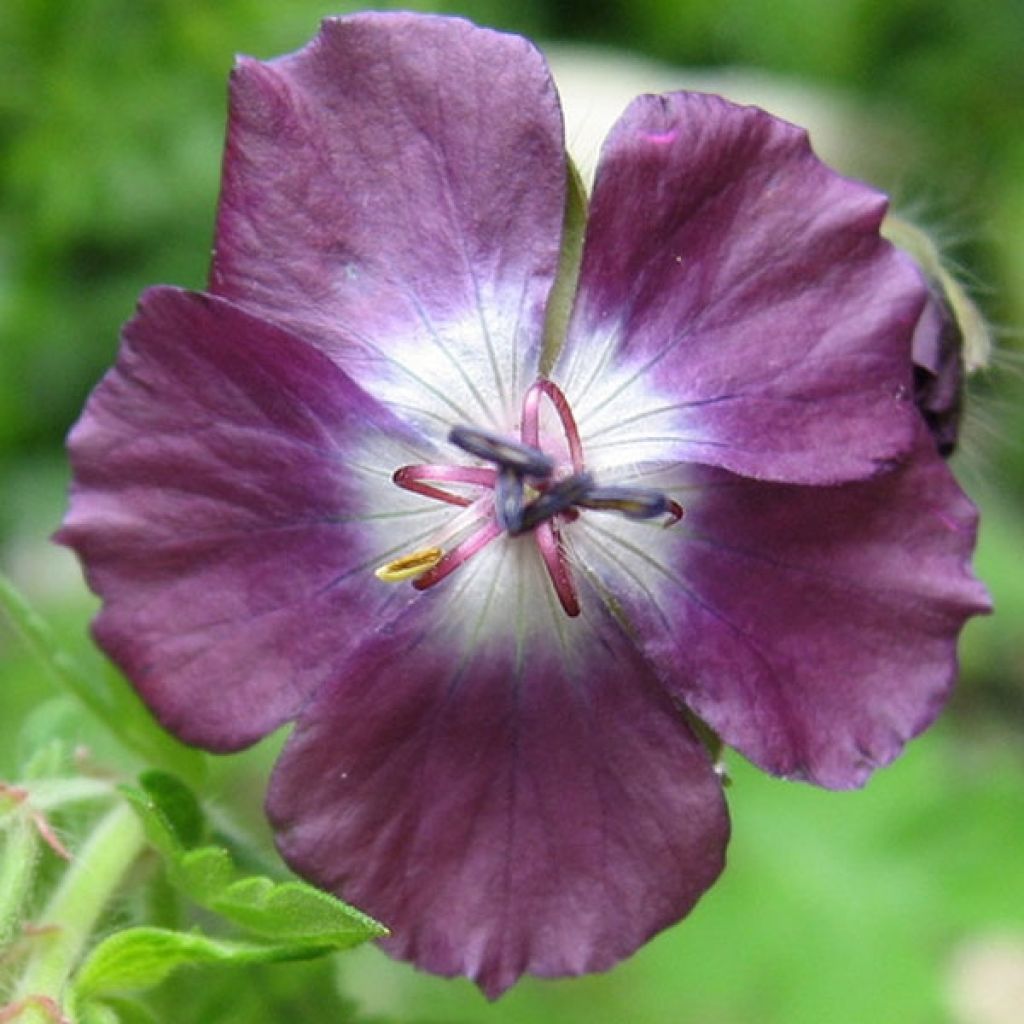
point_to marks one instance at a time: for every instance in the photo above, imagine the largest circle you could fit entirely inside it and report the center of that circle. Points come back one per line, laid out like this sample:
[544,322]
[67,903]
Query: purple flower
[711,491]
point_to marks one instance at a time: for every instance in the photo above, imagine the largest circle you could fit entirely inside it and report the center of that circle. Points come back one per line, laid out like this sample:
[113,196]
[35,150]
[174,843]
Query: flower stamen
[530,427]
[555,500]
[412,478]
[525,492]
[525,459]
[459,555]
[515,463]
[510,500]
[633,503]
[552,551]
[409,566]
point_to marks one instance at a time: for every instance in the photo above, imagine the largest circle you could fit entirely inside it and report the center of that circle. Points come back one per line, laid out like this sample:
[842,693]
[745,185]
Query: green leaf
[291,910]
[107,696]
[139,958]
[202,874]
[178,805]
[294,911]
[122,1009]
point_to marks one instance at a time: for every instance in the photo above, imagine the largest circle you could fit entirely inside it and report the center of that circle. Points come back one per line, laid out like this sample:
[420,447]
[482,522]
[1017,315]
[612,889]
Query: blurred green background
[901,903]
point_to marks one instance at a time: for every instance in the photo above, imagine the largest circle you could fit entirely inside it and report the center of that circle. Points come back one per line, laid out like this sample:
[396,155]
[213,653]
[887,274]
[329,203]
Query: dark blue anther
[512,455]
[558,498]
[632,502]
[509,500]
[519,464]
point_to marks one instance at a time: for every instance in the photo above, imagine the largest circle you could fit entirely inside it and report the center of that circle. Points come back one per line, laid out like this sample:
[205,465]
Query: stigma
[521,491]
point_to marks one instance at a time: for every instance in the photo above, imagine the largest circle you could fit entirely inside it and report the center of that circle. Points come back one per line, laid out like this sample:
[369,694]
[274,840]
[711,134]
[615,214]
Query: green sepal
[563,291]
[975,334]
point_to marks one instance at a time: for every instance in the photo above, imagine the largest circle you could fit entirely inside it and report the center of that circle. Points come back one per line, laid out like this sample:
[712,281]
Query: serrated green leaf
[139,958]
[293,910]
[289,910]
[204,873]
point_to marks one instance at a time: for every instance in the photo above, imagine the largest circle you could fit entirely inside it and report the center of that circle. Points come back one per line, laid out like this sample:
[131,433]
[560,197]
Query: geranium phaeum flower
[710,490]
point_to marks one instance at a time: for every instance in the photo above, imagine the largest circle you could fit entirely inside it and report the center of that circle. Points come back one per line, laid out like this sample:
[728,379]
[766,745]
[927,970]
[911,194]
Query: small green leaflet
[139,958]
[285,920]
[291,911]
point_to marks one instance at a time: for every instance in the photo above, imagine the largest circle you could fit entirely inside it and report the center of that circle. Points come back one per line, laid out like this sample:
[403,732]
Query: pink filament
[547,535]
[420,480]
[531,419]
[411,478]
[459,555]
[552,550]
[675,512]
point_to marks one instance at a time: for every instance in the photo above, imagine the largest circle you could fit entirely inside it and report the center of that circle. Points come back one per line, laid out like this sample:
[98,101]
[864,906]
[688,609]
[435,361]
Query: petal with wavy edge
[231,497]
[509,791]
[736,304]
[813,628]
[395,191]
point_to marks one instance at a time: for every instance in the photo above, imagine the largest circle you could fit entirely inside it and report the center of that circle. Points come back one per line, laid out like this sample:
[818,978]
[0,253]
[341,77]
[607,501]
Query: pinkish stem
[459,555]
[412,478]
[552,550]
[531,419]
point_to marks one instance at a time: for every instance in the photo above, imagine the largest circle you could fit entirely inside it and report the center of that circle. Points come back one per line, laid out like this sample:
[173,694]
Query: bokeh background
[902,903]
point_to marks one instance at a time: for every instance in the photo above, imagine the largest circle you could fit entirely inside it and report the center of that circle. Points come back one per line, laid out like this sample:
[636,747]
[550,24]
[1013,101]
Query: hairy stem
[17,864]
[75,907]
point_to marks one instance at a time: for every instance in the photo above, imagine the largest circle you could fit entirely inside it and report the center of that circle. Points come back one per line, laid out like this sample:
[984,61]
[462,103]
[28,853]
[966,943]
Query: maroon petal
[736,292]
[814,628]
[227,484]
[394,191]
[509,791]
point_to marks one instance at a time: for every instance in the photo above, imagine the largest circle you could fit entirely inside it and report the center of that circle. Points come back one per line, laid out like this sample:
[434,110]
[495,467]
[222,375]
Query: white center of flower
[524,491]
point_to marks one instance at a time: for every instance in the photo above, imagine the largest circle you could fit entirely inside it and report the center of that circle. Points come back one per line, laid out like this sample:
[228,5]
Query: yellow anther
[409,566]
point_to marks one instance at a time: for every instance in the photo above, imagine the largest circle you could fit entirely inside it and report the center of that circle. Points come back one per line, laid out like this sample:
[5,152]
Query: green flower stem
[75,908]
[17,864]
[47,794]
